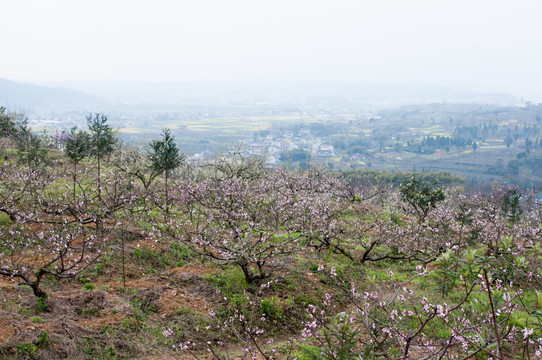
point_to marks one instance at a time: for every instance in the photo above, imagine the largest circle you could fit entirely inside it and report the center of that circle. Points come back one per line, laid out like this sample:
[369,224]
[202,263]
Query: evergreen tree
[423,195]
[508,140]
[102,139]
[165,157]
[29,146]
[8,127]
[76,149]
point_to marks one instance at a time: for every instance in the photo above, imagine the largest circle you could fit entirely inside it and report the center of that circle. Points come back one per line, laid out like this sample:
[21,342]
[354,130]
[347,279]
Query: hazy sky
[482,45]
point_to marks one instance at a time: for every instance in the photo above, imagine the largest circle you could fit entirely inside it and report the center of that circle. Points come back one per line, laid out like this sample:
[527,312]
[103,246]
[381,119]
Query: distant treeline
[376,177]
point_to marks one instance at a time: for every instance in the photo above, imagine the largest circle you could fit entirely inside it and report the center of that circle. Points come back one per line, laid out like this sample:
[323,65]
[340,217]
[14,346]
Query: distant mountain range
[99,96]
[26,97]
[176,92]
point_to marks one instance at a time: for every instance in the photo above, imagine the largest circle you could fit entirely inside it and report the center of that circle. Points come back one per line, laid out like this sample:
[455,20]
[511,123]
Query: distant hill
[174,92]
[16,95]
[88,96]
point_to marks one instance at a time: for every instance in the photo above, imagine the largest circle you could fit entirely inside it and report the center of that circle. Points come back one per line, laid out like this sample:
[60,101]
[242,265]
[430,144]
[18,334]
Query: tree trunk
[74,179]
[99,180]
[35,285]
[167,202]
[123,262]
[37,291]
[250,276]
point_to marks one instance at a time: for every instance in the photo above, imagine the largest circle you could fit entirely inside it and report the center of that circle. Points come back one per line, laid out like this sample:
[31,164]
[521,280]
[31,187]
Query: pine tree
[76,149]
[164,157]
[102,140]
[29,146]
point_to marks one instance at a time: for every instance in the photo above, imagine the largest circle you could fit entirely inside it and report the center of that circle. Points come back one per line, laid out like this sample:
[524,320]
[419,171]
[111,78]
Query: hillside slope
[25,96]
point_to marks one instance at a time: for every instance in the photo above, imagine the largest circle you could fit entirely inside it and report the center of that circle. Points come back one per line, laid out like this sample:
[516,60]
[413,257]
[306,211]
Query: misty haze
[271,179]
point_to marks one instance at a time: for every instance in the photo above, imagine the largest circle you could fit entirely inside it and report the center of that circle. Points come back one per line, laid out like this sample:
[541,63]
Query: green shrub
[89,311]
[88,287]
[272,308]
[43,340]
[26,349]
[99,268]
[4,219]
[42,305]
